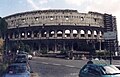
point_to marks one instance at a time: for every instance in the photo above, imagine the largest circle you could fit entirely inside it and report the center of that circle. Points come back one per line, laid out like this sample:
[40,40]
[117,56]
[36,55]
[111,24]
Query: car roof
[18,64]
[98,62]
[21,54]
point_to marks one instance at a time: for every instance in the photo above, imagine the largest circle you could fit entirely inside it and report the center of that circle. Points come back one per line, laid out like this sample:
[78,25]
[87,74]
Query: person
[34,53]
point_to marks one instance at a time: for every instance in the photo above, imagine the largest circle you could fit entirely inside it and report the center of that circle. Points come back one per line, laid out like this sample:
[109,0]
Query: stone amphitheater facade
[57,30]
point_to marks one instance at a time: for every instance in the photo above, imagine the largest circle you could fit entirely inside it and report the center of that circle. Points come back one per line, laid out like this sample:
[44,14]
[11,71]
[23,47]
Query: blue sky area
[8,7]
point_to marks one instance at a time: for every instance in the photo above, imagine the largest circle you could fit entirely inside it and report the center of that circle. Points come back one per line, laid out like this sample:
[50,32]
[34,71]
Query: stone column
[64,45]
[78,34]
[39,36]
[47,34]
[63,35]
[55,46]
[100,45]
[71,34]
[72,46]
[25,34]
[86,34]
[47,46]
[55,33]
[13,36]
[32,35]
[39,46]
[92,35]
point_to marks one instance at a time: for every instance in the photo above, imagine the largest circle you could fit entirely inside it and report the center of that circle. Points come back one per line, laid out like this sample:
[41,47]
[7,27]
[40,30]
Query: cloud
[108,6]
[76,2]
[37,4]
[102,6]
[43,1]
[33,4]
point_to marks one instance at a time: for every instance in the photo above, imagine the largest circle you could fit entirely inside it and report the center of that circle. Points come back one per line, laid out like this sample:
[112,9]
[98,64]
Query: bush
[2,68]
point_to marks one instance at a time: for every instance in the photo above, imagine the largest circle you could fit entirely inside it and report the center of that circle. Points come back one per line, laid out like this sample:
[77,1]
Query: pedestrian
[34,53]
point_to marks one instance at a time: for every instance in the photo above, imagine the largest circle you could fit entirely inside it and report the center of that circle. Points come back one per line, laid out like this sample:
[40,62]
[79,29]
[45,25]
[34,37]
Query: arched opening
[95,33]
[16,34]
[43,33]
[59,33]
[89,33]
[22,34]
[29,34]
[35,46]
[67,33]
[68,46]
[100,34]
[51,33]
[82,32]
[51,46]
[75,33]
[82,19]
[75,46]
[59,46]
[36,33]
[43,48]
[11,35]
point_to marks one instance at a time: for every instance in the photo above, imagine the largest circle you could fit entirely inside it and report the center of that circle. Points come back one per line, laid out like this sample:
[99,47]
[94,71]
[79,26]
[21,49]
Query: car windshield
[20,61]
[110,70]
[22,56]
[14,69]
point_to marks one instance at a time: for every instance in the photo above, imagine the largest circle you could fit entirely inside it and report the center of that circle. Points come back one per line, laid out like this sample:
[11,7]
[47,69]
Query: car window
[85,69]
[94,70]
[111,70]
[21,56]
[91,69]
[16,69]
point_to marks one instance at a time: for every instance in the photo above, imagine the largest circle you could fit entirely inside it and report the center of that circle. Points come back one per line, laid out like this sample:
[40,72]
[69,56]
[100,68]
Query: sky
[8,7]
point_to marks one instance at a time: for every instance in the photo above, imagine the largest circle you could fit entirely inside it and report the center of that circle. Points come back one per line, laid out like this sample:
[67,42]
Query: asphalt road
[54,67]
[51,67]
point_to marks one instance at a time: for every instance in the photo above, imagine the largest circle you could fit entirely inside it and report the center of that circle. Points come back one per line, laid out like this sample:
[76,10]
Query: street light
[18,37]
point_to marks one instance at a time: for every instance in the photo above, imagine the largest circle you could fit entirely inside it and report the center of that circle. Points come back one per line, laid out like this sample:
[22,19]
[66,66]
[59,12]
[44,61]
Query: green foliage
[20,46]
[1,43]
[27,48]
[2,68]
[14,47]
[64,52]
[102,53]
[44,51]
[24,47]
[3,27]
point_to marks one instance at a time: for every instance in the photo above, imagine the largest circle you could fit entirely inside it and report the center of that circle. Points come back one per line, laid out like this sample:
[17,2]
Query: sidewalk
[34,75]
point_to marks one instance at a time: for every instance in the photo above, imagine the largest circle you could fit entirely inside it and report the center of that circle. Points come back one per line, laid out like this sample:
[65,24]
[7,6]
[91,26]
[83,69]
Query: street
[52,67]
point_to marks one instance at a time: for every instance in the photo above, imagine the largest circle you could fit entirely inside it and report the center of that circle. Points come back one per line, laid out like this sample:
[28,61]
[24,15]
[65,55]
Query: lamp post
[18,38]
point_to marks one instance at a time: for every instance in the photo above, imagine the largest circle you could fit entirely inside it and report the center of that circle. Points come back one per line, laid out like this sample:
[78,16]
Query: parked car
[99,70]
[118,66]
[21,56]
[17,70]
[29,56]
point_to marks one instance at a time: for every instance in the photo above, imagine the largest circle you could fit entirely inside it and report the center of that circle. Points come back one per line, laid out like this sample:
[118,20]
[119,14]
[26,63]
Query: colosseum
[53,31]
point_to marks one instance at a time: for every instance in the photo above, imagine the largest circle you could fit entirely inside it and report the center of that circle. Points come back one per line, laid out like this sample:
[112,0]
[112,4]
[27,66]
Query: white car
[29,56]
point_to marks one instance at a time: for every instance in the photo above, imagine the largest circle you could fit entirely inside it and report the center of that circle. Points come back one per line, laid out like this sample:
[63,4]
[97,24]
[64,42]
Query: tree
[1,43]
[1,46]
[3,27]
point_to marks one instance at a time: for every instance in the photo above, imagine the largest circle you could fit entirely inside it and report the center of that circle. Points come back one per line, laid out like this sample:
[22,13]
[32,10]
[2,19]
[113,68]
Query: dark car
[17,70]
[99,70]
[21,58]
